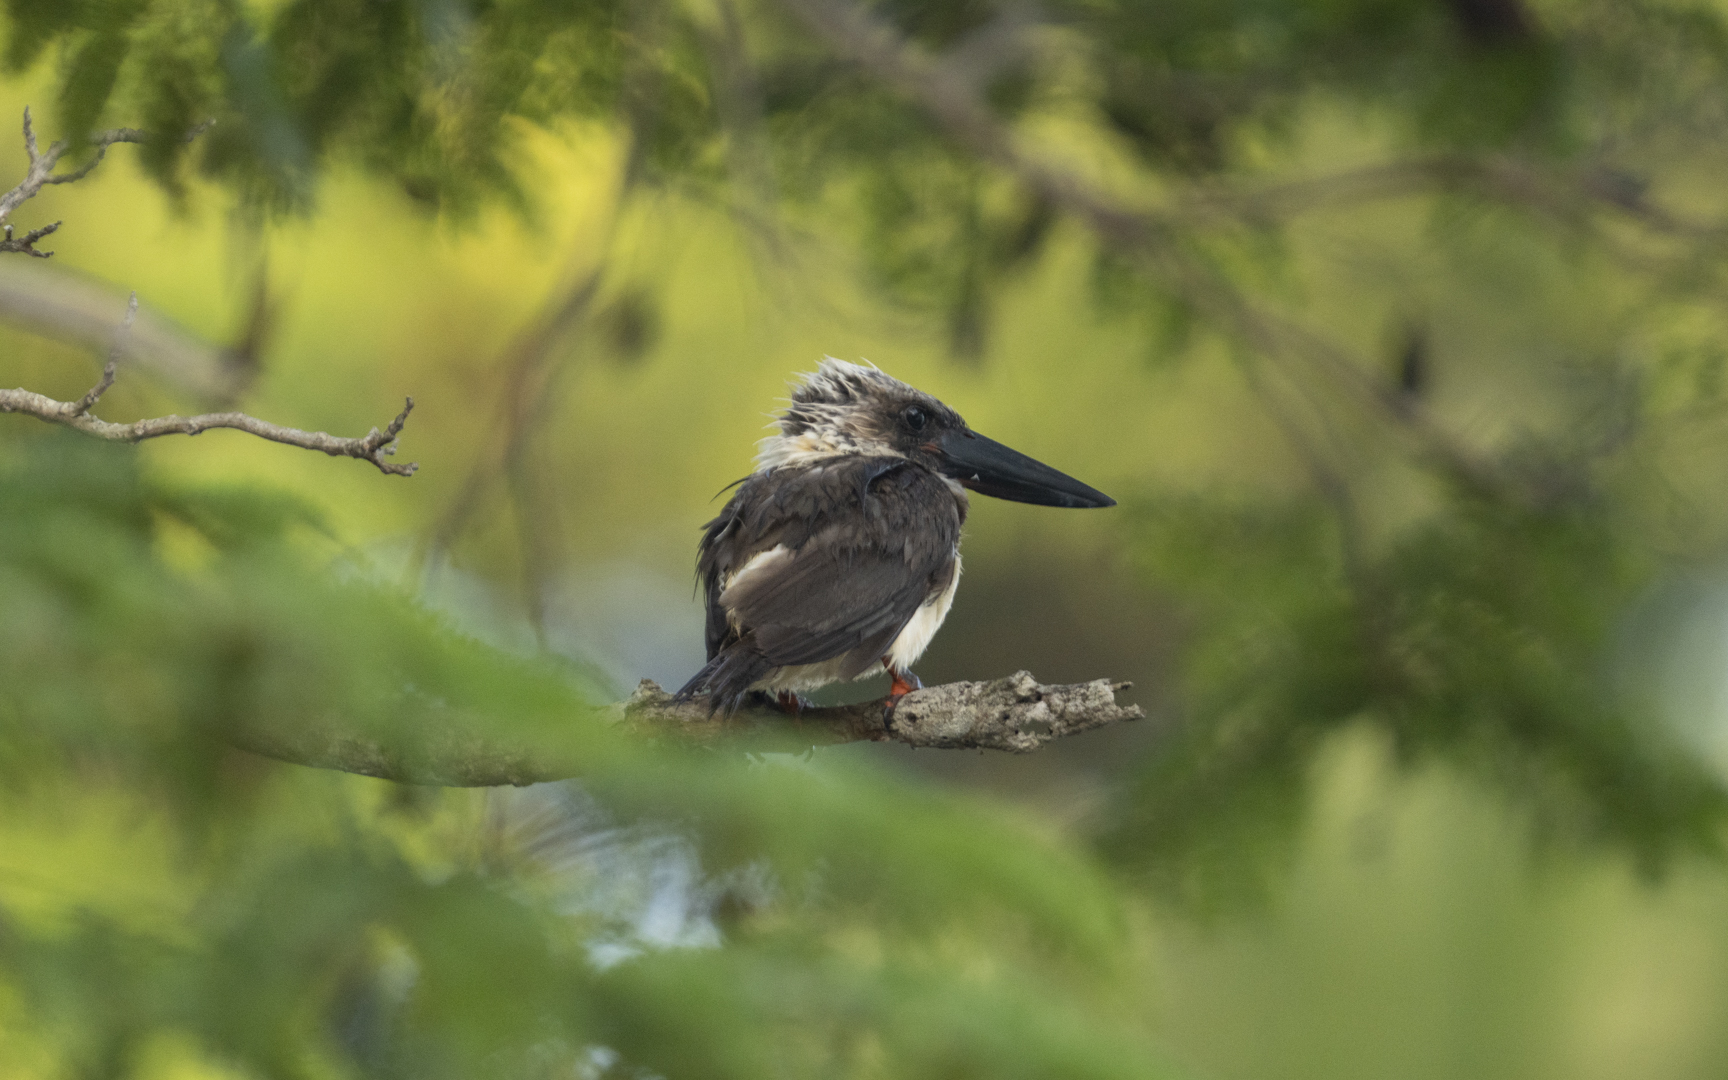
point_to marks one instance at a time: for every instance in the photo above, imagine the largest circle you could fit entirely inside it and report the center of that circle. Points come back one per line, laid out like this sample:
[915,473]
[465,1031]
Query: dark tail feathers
[727,678]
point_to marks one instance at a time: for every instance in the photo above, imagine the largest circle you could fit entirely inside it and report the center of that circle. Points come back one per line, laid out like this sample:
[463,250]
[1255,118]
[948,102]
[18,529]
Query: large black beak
[989,468]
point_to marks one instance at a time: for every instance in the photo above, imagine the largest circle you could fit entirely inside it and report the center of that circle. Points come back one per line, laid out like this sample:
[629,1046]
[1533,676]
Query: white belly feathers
[913,640]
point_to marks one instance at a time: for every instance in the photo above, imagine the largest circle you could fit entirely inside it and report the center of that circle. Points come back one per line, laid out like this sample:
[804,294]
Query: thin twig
[374,446]
[41,173]
[26,244]
[88,401]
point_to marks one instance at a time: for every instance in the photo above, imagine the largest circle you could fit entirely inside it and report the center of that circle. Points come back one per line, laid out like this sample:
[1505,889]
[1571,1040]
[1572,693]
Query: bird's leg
[792,704]
[901,684]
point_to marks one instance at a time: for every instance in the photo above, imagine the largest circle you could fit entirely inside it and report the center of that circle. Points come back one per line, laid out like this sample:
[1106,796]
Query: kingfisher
[839,555]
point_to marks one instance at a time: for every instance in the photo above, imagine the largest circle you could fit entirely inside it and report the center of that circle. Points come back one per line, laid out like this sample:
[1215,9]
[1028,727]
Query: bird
[839,556]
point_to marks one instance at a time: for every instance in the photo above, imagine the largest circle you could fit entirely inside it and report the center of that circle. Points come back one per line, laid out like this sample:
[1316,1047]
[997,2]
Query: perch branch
[1017,714]
[41,173]
[374,446]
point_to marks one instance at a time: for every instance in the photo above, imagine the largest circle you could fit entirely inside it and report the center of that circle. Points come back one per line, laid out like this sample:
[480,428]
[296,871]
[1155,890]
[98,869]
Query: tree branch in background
[41,173]
[951,96]
[211,372]
[534,366]
[373,446]
[1147,236]
[947,90]
[738,101]
[56,302]
[1017,714]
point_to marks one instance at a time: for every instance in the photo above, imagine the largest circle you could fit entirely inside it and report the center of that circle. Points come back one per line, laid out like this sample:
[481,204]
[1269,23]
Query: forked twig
[374,446]
[41,173]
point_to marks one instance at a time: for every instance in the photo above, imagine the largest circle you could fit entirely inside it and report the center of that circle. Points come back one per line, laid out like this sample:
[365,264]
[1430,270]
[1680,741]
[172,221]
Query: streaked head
[854,409]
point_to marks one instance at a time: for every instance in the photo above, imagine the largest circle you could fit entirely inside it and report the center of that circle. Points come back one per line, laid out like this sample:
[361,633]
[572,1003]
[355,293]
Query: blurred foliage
[319,931]
[1434,291]
[1500,665]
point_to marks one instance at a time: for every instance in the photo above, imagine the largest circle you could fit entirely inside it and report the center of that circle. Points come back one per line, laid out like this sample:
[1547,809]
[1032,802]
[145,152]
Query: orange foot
[790,703]
[903,683]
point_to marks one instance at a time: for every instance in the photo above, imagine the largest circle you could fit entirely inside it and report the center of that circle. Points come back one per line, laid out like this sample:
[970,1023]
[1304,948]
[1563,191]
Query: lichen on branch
[1016,714]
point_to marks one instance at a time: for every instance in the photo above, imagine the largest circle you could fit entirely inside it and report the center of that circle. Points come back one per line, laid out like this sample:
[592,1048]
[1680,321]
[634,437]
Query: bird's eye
[915,417]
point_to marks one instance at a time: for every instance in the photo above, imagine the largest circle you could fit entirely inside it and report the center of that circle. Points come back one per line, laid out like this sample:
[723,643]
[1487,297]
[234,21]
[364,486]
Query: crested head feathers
[837,409]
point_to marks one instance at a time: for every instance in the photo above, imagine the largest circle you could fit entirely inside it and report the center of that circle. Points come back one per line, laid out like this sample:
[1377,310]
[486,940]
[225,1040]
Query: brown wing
[863,542]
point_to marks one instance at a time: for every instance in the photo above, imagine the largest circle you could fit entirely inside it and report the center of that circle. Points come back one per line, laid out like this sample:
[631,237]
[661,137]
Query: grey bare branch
[1016,714]
[88,401]
[374,446]
[40,173]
